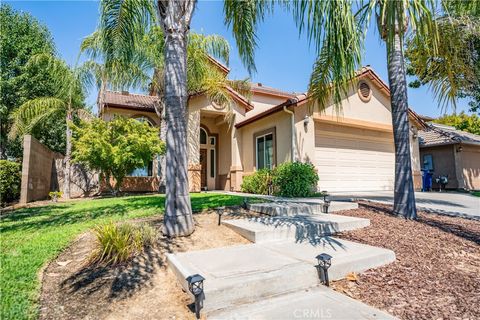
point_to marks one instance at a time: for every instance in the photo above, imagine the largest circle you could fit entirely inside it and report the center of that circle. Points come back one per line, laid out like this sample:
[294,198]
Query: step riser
[293,230]
[294,208]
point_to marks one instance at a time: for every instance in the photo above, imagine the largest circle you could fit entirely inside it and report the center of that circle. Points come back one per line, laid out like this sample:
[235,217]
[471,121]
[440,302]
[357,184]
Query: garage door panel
[354,162]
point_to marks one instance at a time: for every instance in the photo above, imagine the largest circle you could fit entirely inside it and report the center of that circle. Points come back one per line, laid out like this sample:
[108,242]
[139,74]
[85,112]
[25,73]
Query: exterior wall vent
[364,91]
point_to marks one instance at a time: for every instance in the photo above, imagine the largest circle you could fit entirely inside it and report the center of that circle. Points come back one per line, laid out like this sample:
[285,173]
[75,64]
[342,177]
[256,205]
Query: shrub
[258,182]
[55,195]
[10,181]
[117,243]
[294,179]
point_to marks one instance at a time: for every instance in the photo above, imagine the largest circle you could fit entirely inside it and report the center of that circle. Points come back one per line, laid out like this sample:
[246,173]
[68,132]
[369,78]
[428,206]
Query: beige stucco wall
[281,122]
[470,166]
[262,102]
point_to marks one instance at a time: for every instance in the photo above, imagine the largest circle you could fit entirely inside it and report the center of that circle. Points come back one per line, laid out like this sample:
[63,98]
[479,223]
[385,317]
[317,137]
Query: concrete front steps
[302,227]
[244,274]
[292,208]
[316,303]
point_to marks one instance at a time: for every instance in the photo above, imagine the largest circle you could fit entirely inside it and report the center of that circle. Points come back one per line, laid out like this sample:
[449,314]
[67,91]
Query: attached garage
[353,159]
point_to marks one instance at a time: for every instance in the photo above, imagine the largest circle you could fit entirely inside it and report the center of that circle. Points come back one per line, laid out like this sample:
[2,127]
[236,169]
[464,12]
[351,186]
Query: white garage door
[350,159]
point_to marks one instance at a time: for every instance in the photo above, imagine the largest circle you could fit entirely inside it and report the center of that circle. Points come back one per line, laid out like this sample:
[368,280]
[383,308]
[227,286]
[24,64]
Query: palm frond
[243,17]
[32,113]
[334,30]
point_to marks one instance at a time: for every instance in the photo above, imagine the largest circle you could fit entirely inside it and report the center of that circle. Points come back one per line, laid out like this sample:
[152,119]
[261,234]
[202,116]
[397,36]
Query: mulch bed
[437,271]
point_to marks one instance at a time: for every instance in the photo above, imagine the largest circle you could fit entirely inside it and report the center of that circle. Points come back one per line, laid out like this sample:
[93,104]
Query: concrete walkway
[317,303]
[245,274]
[447,203]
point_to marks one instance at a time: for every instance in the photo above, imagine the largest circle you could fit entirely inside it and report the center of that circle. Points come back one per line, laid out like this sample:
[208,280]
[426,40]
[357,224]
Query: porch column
[194,166]
[236,168]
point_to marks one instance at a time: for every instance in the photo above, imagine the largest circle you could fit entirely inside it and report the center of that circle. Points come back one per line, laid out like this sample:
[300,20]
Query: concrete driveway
[448,203]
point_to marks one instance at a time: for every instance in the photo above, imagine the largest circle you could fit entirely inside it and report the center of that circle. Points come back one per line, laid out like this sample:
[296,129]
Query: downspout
[292,124]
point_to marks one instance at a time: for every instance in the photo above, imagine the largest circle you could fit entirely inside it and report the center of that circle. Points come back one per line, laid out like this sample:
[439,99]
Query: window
[212,163]
[264,148]
[428,162]
[146,171]
[143,119]
[212,141]
[203,136]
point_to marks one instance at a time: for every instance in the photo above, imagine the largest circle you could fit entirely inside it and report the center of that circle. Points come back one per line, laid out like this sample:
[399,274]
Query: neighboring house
[447,151]
[352,150]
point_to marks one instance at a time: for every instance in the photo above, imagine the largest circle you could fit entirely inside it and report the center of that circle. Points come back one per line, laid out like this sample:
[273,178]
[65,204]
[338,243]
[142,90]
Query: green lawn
[476,193]
[32,237]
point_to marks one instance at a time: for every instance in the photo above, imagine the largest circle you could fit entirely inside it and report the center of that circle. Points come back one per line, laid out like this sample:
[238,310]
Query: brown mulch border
[437,271]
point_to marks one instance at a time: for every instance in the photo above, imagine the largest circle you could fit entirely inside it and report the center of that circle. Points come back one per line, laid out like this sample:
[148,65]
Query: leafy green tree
[22,37]
[64,104]
[10,180]
[115,148]
[453,71]
[462,121]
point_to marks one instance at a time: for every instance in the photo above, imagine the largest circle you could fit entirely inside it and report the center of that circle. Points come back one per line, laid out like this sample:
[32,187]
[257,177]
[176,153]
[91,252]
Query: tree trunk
[175,17]
[68,155]
[404,196]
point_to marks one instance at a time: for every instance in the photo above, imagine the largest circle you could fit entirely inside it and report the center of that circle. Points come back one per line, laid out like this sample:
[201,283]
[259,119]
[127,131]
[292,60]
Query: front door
[203,162]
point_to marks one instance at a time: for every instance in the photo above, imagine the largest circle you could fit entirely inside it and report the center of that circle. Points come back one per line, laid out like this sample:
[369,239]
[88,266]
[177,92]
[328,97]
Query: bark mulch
[437,271]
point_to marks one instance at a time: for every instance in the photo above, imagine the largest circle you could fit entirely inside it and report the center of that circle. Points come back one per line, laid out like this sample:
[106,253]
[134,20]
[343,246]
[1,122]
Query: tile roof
[438,134]
[260,88]
[130,100]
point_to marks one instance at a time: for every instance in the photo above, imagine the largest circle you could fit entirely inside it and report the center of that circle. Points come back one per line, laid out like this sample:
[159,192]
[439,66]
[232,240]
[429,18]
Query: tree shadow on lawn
[57,216]
[434,220]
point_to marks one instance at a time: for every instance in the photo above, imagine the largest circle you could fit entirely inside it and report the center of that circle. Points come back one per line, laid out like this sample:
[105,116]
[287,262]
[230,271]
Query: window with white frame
[264,150]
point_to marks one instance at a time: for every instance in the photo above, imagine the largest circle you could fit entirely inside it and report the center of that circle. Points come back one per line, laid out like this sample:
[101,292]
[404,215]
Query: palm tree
[67,101]
[147,44]
[338,29]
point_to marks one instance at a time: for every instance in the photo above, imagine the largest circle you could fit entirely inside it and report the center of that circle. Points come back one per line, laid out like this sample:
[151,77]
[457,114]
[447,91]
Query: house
[447,151]
[352,150]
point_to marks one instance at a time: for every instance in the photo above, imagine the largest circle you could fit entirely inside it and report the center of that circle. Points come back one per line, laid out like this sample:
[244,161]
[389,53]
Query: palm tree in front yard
[68,101]
[178,70]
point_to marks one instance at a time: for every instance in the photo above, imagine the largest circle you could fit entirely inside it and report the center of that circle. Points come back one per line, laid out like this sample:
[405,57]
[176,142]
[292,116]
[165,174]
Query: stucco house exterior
[352,150]
[446,151]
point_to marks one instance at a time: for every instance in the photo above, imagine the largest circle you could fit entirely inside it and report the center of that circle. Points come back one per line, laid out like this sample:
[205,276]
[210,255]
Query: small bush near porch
[289,179]
[33,236]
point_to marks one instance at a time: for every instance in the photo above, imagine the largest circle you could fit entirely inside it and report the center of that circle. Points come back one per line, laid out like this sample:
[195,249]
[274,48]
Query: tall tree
[67,101]
[21,37]
[147,44]
[453,71]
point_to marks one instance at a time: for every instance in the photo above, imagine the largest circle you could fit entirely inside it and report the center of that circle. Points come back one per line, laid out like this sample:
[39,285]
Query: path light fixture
[326,202]
[220,211]
[195,286]
[324,261]
[245,203]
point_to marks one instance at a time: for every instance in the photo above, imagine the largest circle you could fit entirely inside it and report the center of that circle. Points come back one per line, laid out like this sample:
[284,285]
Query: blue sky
[284,59]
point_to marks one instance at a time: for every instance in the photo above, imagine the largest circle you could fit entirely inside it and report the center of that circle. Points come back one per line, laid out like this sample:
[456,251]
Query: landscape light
[195,286]
[324,261]
[220,211]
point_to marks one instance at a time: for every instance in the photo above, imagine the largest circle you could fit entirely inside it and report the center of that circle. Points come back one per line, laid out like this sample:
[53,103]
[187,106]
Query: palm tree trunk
[175,17]
[68,155]
[404,196]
